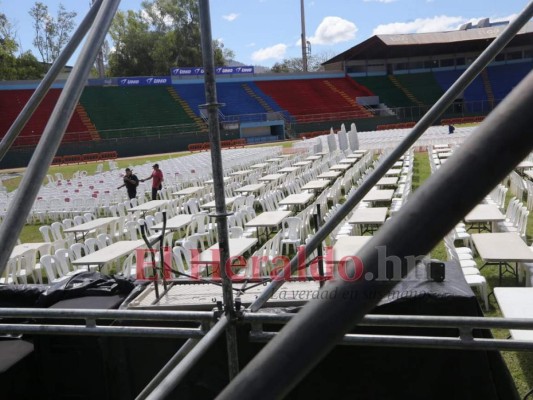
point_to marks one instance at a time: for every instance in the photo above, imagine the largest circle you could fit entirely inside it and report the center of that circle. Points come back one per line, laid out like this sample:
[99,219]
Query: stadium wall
[135,146]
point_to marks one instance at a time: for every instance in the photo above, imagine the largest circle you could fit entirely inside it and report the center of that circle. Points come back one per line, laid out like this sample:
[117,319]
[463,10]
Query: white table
[347,160]
[393,172]
[289,169]
[237,247]
[516,303]
[501,249]
[398,164]
[313,158]
[226,179]
[211,204]
[271,178]
[149,206]
[175,223]
[330,175]
[91,226]
[316,185]
[348,246]
[340,167]
[379,195]
[354,156]
[242,172]
[275,159]
[302,163]
[369,219]
[484,214]
[298,199]
[525,164]
[390,181]
[189,191]
[253,188]
[267,220]
[259,166]
[109,253]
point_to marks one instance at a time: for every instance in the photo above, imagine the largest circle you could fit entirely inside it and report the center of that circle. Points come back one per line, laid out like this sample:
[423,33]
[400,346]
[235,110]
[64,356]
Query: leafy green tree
[295,64]
[51,34]
[13,67]
[164,34]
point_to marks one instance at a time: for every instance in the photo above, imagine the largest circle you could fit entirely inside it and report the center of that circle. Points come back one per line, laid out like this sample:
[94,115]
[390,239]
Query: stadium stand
[304,98]
[423,86]
[13,101]
[239,98]
[504,78]
[474,95]
[389,94]
[115,110]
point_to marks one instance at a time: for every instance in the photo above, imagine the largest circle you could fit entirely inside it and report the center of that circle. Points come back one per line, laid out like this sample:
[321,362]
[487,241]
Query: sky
[263,32]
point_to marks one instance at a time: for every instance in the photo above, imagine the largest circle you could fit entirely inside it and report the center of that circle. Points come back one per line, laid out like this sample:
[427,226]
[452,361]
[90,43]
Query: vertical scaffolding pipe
[425,122]
[53,133]
[489,154]
[39,94]
[212,106]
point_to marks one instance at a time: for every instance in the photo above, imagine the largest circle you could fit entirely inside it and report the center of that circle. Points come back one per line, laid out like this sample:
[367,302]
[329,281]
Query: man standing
[157,179]
[131,182]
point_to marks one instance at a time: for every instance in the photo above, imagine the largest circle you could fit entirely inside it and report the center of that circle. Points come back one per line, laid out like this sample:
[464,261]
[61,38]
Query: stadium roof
[426,44]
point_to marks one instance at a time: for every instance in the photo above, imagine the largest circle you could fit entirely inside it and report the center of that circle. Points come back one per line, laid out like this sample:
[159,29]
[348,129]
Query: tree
[51,34]
[164,34]
[295,64]
[25,66]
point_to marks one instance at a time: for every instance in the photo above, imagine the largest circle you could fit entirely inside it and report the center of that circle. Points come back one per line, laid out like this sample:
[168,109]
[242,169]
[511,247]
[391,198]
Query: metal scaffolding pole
[180,371]
[425,122]
[53,133]
[39,94]
[167,369]
[218,184]
[170,376]
[489,154]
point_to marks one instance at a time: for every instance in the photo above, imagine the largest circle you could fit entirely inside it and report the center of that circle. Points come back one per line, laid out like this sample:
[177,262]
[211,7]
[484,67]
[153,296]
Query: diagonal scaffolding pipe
[53,133]
[484,159]
[388,161]
[39,94]
[194,354]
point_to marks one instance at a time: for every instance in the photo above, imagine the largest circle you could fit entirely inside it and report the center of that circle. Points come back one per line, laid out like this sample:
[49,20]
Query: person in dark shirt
[131,182]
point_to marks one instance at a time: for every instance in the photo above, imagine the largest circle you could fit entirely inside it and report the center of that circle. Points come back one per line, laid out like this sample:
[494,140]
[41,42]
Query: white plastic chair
[291,233]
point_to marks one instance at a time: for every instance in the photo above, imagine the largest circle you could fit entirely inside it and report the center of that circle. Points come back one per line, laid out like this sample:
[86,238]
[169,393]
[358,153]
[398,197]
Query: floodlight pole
[304,40]
[53,133]
[39,94]
[221,214]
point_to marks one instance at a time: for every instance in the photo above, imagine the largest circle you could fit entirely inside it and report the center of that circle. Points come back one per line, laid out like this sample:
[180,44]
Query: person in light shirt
[157,180]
